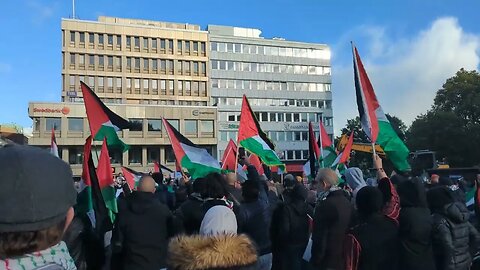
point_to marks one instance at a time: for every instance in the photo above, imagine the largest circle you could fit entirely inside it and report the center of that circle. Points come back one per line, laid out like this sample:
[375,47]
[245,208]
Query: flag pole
[321,142]
[236,157]
[373,147]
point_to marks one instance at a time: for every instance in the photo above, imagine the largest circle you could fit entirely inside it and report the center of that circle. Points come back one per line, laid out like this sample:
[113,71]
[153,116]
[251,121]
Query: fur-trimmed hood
[220,252]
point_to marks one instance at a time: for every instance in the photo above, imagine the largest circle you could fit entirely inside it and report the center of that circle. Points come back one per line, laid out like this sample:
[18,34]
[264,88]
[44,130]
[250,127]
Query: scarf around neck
[322,195]
[57,255]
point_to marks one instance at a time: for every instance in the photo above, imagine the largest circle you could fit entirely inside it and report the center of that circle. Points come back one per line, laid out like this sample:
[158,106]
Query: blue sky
[409,47]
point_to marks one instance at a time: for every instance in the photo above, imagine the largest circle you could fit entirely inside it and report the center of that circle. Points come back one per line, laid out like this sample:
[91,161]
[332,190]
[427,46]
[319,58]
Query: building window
[136,42]
[75,155]
[202,48]
[154,124]
[110,62]
[163,66]
[195,86]
[170,46]
[137,64]
[136,124]
[153,154]
[145,86]
[191,126]
[110,40]
[53,123]
[129,41]
[145,43]
[163,87]
[174,123]
[180,88]
[110,84]
[72,37]
[179,47]
[100,61]
[179,67]
[154,65]
[187,46]
[100,39]
[188,88]
[195,47]
[145,65]
[72,59]
[137,86]
[155,86]
[195,68]
[154,44]
[72,82]
[115,156]
[163,45]
[118,84]
[82,37]
[206,126]
[91,38]
[214,46]
[171,87]
[75,124]
[169,154]
[186,67]
[170,66]
[119,41]
[203,89]
[135,155]
[129,85]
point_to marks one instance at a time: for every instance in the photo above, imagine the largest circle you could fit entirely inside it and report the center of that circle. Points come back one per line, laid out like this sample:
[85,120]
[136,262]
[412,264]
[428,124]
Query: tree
[452,126]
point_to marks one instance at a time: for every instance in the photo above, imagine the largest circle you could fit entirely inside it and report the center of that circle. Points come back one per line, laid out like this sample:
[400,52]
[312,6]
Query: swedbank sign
[64,110]
[198,113]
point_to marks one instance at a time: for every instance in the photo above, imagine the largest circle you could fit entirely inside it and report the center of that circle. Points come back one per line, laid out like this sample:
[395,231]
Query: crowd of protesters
[222,221]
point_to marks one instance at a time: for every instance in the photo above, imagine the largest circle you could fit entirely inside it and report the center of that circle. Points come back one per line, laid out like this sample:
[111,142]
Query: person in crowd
[373,243]
[290,231]
[254,218]
[332,217]
[234,193]
[142,230]
[36,207]
[415,227]
[455,240]
[161,189]
[354,179]
[218,247]
[458,194]
[254,215]
[215,192]
[289,183]
[190,213]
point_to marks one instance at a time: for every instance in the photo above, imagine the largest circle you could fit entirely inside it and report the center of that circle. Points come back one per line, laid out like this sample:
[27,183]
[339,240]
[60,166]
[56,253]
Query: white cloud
[41,11]
[28,132]
[405,73]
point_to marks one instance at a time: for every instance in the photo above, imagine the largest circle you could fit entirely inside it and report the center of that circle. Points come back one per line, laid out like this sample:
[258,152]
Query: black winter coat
[331,222]
[140,238]
[454,238]
[191,213]
[290,233]
[415,227]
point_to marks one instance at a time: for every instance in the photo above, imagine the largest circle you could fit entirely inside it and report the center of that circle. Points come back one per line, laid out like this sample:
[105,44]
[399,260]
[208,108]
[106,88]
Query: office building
[143,70]
[287,83]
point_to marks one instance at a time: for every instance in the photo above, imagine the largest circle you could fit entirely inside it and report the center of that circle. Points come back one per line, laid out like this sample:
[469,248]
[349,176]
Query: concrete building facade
[287,83]
[142,70]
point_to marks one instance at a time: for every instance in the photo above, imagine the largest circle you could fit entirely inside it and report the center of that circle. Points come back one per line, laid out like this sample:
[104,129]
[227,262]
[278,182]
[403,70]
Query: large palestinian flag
[253,139]
[374,122]
[327,149]
[90,200]
[132,177]
[103,122]
[105,181]
[195,159]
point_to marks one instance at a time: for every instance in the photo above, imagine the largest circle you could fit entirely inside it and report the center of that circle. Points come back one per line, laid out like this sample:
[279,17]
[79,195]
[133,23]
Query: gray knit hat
[36,189]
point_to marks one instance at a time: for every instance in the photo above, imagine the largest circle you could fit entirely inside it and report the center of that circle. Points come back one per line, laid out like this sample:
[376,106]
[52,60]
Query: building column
[162,154]
[125,158]
[144,156]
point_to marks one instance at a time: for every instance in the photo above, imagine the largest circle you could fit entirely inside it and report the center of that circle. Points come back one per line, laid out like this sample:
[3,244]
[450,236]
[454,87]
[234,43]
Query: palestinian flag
[90,199]
[103,122]
[255,161]
[252,138]
[132,177]
[53,144]
[314,150]
[327,149]
[196,160]
[105,181]
[345,155]
[157,167]
[374,122]
[229,158]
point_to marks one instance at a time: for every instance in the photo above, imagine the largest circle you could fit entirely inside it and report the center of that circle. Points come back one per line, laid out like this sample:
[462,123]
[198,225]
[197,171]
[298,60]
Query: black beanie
[438,197]
[369,201]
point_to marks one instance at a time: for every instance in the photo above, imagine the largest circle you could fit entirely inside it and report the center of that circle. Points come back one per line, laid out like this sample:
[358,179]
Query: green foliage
[452,126]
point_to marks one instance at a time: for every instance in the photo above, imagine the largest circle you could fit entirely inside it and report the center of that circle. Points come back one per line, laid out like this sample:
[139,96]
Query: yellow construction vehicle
[361,147]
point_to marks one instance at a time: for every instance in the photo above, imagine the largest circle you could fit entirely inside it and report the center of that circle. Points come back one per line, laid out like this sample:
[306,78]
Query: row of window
[142,101]
[322,104]
[279,117]
[270,68]
[139,86]
[269,50]
[137,64]
[134,43]
[191,127]
[270,85]
[135,157]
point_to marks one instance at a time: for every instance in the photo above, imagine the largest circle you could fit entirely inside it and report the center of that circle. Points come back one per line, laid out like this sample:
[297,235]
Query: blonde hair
[327,176]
